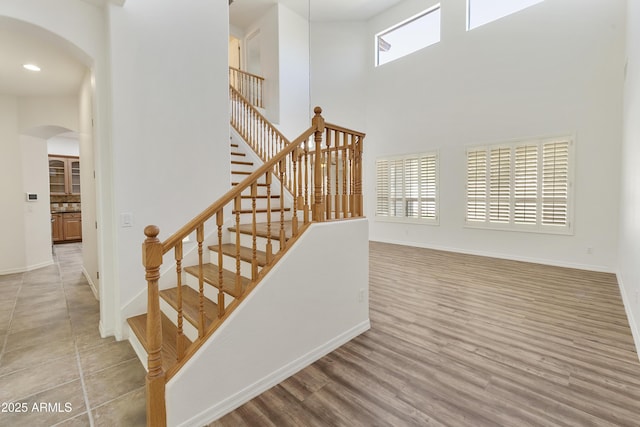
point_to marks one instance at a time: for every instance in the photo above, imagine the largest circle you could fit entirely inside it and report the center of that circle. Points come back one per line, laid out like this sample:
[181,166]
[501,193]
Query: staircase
[242,236]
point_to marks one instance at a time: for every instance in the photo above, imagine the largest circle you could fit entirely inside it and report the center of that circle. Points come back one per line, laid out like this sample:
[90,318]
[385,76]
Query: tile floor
[53,362]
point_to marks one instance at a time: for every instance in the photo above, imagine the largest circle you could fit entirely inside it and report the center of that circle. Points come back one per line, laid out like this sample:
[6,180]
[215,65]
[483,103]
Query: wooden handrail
[321,169]
[230,195]
[247,73]
[254,127]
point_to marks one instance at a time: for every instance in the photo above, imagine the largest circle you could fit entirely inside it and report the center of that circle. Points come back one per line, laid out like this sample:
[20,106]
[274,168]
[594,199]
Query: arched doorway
[59,99]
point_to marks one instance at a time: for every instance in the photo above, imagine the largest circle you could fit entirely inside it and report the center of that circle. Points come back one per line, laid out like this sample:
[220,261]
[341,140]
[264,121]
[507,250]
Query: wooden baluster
[307,172]
[345,174]
[337,176]
[318,123]
[352,155]
[269,248]
[219,223]
[200,239]
[300,200]
[254,232]
[180,339]
[155,380]
[327,175]
[358,178]
[294,188]
[238,207]
[283,237]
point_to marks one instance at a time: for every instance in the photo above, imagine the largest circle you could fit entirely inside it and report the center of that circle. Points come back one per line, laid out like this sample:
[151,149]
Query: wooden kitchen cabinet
[64,175]
[57,232]
[66,227]
[72,225]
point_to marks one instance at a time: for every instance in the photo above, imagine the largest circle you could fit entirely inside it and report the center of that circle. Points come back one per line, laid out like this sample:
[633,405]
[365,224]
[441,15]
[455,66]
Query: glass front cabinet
[64,175]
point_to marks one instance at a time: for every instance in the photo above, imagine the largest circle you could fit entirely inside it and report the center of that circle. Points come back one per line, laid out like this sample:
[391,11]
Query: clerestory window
[408,36]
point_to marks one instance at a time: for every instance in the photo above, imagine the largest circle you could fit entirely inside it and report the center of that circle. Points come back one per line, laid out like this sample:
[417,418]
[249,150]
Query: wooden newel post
[318,205]
[152,260]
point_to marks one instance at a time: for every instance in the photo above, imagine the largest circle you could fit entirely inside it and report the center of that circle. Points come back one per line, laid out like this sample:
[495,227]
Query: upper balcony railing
[249,85]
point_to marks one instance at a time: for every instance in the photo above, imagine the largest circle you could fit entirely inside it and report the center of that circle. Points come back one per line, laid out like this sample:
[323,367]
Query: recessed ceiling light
[31,67]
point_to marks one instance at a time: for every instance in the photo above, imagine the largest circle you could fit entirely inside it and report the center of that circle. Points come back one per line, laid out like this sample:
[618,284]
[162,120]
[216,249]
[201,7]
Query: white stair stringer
[281,327]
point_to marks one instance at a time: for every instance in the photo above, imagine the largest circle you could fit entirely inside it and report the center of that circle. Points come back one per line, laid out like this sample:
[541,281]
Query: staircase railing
[254,128]
[249,85]
[322,168]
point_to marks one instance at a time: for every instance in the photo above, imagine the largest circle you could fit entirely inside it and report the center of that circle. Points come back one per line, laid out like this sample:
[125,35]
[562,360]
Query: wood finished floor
[461,340]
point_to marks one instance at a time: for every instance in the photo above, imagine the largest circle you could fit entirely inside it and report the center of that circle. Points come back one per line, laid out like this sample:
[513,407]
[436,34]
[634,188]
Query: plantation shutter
[411,187]
[476,185]
[396,187]
[555,183]
[526,185]
[382,183]
[428,187]
[407,187]
[500,185]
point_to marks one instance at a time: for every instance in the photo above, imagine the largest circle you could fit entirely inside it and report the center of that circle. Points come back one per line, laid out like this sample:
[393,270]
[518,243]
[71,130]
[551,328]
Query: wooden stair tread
[246,254]
[260,184]
[210,276]
[241,162]
[237,153]
[273,196]
[261,229]
[273,209]
[191,305]
[234,145]
[138,325]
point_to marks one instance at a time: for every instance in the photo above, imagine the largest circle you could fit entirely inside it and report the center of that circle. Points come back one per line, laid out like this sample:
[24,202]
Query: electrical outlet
[589,250]
[361,295]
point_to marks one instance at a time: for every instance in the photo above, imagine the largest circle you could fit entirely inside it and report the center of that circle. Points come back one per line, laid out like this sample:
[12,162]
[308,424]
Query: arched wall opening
[29,119]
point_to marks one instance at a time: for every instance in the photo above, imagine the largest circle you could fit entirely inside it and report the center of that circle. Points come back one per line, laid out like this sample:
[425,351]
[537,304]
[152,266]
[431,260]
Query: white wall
[339,54]
[629,252]
[555,68]
[170,120]
[293,35]
[63,146]
[282,326]
[48,110]
[86,137]
[37,215]
[12,244]
[266,30]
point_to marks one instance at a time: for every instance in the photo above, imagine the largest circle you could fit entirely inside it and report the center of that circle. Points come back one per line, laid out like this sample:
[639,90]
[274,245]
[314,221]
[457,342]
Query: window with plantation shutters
[407,188]
[522,186]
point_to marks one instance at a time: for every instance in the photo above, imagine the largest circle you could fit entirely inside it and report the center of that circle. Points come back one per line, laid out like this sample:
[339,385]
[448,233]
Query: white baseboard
[511,257]
[104,332]
[243,396]
[633,324]
[27,268]
[91,284]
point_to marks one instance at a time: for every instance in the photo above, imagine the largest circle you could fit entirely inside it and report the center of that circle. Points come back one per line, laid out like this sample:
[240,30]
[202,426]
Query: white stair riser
[241,167]
[210,291]
[261,190]
[261,203]
[247,218]
[187,328]
[246,240]
[229,263]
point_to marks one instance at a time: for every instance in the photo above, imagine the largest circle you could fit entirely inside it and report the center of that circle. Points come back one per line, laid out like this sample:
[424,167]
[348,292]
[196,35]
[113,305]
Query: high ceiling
[242,13]
[62,73]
